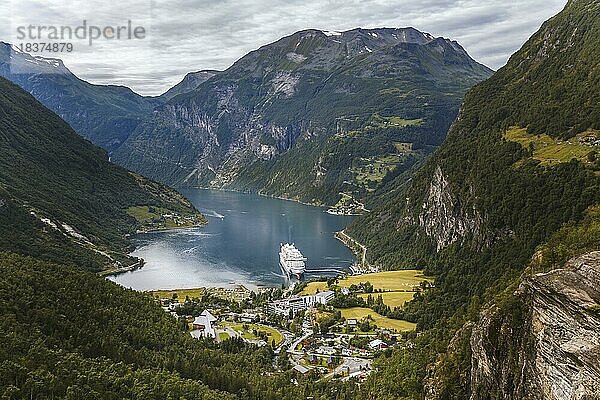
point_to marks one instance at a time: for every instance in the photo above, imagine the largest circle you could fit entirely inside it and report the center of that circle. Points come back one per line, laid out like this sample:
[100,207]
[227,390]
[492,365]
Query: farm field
[391,299]
[403,280]
[359,313]
[550,151]
[388,281]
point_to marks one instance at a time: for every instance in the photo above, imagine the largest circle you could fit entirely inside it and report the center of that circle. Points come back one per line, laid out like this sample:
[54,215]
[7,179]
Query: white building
[378,344]
[319,298]
[203,326]
[296,303]
[248,317]
[300,368]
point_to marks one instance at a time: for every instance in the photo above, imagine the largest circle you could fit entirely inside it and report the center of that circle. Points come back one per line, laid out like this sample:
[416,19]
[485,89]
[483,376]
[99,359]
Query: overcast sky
[190,35]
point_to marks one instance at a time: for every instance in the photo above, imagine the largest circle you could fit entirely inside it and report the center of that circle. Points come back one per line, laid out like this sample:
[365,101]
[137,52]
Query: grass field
[156,218]
[393,121]
[381,321]
[397,288]
[377,122]
[403,280]
[314,287]
[248,334]
[550,151]
[392,299]
[368,172]
[388,281]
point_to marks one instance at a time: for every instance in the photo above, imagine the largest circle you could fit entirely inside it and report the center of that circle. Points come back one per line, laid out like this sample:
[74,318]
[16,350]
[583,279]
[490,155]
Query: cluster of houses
[292,305]
[338,345]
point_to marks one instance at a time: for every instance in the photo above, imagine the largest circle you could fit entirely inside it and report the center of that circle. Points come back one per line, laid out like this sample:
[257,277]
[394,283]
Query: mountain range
[309,116]
[105,115]
[322,117]
[60,198]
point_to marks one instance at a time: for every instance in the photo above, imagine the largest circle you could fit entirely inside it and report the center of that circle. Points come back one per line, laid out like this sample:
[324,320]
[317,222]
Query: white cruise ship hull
[291,261]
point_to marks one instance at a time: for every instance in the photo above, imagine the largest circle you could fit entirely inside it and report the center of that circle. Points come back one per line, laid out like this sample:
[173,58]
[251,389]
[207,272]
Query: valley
[443,230]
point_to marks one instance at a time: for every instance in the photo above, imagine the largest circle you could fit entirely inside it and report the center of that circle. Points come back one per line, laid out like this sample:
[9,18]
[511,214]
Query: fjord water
[240,244]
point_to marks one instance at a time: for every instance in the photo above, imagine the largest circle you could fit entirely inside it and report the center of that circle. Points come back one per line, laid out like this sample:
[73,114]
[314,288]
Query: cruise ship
[292,262]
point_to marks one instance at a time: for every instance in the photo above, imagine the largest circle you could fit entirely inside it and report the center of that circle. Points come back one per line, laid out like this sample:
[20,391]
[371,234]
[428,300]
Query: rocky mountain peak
[22,63]
[190,82]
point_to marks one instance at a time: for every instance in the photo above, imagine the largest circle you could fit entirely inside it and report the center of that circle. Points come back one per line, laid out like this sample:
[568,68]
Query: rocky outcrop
[446,218]
[545,342]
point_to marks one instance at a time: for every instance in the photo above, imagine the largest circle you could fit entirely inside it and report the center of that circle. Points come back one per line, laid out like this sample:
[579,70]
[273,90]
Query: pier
[327,270]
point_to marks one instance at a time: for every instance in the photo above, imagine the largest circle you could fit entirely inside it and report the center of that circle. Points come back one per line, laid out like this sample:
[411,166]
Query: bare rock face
[546,343]
[443,215]
[566,328]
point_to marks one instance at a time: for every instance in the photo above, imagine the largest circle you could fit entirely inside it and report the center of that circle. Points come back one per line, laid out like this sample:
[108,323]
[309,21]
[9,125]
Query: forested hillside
[68,334]
[60,197]
[518,173]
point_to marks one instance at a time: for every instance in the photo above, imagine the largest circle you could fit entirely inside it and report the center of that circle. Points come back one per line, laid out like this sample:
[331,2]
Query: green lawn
[369,172]
[393,121]
[387,281]
[550,151]
[402,280]
[162,218]
[314,287]
[359,313]
[377,121]
[248,333]
[392,299]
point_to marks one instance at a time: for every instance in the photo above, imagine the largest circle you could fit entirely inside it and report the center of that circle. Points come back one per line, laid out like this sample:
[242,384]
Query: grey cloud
[190,35]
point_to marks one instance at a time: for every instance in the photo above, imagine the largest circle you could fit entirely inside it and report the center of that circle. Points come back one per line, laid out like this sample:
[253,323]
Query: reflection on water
[239,245]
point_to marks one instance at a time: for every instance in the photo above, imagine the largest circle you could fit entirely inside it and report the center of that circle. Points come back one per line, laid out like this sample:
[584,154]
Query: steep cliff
[517,179]
[444,217]
[554,351]
[311,115]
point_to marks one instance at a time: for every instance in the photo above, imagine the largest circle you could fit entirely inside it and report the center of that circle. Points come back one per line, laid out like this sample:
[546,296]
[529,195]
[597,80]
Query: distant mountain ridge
[310,116]
[60,198]
[189,82]
[104,114]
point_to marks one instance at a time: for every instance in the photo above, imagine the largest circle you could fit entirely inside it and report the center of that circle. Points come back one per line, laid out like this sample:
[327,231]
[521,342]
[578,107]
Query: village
[329,328]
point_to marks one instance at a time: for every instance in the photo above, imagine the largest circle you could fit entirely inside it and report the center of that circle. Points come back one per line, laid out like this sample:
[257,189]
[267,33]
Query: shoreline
[361,255]
[176,228]
[141,262]
[324,207]
[342,236]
